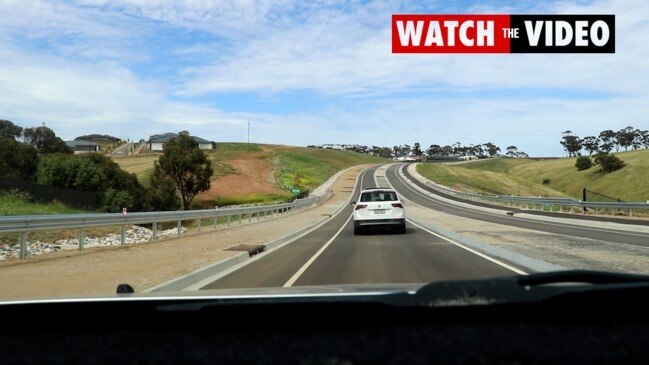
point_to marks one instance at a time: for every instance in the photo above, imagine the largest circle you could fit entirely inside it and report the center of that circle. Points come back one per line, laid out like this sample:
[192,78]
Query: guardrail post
[630,212]
[216,223]
[23,246]
[123,235]
[155,231]
[81,237]
[199,225]
[596,211]
[178,226]
[239,218]
[257,216]
[228,221]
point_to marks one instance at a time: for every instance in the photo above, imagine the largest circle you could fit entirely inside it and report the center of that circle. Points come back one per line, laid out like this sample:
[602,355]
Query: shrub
[583,163]
[608,162]
[546,181]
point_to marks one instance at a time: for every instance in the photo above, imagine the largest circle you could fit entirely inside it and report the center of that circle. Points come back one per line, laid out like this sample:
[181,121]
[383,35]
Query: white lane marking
[406,184]
[301,271]
[518,271]
[498,262]
[297,275]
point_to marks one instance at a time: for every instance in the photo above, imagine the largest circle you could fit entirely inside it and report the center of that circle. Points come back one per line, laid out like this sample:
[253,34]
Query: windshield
[379,196]
[224,146]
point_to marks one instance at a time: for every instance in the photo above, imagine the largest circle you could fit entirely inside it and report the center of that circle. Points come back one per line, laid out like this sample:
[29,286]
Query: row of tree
[606,141]
[457,149]
[36,154]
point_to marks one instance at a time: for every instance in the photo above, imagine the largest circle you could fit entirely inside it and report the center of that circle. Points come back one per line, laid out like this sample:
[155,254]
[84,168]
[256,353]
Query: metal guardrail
[31,223]
[532,202]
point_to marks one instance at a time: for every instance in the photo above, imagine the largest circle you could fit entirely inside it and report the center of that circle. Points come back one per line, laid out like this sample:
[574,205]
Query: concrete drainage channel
[201,277]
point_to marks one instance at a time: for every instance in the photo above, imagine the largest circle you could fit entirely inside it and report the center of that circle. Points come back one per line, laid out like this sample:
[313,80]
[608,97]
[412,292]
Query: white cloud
[343,54]
[70,65]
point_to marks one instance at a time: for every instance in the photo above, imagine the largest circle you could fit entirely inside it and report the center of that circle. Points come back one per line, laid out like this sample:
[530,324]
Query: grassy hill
[526,176]
[257,172]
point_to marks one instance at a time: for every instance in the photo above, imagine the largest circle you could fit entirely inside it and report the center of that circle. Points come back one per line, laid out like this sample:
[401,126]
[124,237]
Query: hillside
[526,176]
[257,172]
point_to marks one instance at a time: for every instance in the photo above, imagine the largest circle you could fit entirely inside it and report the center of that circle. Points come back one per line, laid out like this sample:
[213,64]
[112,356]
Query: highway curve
[410,193]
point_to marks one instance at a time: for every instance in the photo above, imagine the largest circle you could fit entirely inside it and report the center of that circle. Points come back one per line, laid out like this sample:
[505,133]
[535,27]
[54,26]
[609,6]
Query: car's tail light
[397,205]
[361,206]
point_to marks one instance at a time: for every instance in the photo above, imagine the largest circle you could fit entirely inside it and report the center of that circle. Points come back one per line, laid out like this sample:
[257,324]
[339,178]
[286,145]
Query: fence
[540,203]
[25,224]
[46,194]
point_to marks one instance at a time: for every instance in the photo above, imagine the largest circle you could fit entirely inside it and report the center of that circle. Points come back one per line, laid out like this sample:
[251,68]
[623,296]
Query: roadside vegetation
[289,168]
[509,176]
[15,202]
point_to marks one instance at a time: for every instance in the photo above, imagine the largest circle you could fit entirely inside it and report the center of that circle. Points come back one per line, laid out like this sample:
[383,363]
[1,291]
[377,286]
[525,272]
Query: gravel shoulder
[98,271]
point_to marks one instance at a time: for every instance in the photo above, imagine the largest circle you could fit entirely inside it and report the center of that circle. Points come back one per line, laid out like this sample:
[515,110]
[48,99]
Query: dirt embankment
[254,174]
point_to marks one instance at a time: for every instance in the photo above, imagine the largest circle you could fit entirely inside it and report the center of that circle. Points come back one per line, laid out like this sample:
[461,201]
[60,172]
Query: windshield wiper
[522,289]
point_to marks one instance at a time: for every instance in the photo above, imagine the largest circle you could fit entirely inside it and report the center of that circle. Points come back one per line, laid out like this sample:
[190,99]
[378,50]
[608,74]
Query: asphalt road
[332,255]
[406,191]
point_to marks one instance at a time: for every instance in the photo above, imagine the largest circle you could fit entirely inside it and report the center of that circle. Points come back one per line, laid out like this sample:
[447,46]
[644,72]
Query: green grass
[506,176]
[10,205]
[307,168]
[483,181]
[241,199]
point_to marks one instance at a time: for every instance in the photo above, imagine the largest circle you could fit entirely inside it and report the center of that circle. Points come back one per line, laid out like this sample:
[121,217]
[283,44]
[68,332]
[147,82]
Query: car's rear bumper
[380,222]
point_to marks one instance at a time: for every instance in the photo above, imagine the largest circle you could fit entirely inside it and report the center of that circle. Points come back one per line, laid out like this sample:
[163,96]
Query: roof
[76,143]
[166,137]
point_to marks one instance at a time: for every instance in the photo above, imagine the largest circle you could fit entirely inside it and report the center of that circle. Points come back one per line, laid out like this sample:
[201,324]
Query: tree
[433,150]
[491,148]
[17,160]
[571,143]
[385,152]
[187,165]
[161,194]
[590,144]
[637,139]
[44,140]
[417,149]
[607,138]
[644,138]
[625,137]
[512,151]
[10,130]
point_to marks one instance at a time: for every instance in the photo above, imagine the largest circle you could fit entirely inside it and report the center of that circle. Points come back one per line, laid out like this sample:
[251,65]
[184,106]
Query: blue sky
[307,73]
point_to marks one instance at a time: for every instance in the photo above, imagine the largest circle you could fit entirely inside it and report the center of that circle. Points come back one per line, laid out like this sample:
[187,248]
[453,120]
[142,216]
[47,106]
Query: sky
[308,72]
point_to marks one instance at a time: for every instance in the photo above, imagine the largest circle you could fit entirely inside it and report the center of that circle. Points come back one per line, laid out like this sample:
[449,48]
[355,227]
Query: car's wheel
[357,229]
[402,229]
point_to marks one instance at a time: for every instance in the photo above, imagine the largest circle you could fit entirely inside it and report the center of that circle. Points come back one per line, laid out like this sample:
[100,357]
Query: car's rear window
[379,196]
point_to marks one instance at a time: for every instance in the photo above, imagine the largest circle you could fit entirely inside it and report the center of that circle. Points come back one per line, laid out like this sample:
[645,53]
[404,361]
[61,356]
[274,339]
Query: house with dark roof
[156,141]
[82,146]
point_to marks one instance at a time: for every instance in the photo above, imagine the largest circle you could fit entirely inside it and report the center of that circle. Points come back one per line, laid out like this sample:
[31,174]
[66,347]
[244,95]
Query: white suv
[379,207]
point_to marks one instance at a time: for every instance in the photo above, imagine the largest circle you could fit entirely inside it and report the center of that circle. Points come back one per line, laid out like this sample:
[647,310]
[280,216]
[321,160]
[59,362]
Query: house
[156,141]
[82,146]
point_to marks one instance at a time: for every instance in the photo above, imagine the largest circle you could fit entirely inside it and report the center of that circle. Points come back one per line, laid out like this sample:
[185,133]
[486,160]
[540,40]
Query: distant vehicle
[378,207]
